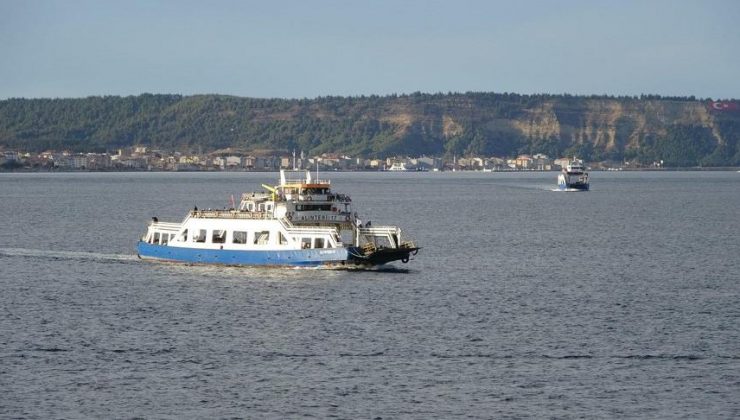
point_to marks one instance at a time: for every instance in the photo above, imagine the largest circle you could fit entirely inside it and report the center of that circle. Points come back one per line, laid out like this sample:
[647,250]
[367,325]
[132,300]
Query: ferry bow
[573,177]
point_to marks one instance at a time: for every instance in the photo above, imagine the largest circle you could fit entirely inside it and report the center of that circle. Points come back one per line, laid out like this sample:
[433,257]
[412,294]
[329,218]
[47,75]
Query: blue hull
[296,258]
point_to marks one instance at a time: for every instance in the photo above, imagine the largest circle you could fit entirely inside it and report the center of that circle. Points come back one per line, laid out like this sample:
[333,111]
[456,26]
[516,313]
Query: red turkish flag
[723,106]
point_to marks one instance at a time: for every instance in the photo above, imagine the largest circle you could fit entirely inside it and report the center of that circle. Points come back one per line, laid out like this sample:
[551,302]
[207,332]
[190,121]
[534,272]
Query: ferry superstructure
[299,222]
[573,177]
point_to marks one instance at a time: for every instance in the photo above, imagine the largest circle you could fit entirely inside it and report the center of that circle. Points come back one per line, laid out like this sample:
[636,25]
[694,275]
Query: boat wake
[220,268]
[66,255]
[566,190]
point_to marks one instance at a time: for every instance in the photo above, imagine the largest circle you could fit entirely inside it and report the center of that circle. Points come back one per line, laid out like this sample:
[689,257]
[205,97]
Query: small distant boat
[299,222]
[573,177]
[403,167]
[398,167]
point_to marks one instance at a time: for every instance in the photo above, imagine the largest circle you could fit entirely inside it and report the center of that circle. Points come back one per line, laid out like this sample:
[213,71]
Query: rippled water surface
[620,302]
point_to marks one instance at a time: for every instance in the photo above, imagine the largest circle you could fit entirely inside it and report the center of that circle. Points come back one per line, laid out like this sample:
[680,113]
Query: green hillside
[680,131]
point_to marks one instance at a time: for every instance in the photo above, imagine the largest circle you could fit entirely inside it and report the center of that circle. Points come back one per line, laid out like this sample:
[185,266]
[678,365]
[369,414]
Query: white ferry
[573,177]
[400,167]
[300,222]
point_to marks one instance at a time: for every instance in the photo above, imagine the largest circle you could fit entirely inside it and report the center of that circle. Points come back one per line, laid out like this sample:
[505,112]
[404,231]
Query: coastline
[672,169]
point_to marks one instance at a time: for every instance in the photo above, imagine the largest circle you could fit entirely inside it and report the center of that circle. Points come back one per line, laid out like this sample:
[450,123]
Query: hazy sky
[296,49]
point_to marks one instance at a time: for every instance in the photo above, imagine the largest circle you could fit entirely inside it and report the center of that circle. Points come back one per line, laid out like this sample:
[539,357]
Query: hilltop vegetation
[679,131]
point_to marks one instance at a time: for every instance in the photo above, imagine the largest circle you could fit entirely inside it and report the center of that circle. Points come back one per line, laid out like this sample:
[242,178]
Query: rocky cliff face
[609,126]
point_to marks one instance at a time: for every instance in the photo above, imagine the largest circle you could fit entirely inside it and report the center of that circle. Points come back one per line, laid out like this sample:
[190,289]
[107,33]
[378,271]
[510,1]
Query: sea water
[623,301]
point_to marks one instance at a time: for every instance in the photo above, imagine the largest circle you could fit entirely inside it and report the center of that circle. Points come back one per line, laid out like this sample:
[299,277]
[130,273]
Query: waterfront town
[141,158]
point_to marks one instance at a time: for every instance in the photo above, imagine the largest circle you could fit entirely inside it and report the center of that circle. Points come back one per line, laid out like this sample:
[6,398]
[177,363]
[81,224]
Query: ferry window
[164,239]
[184,235]
[218,237]
[282,238]
[319,243]
[200,237]
[268,207]
[156,238]
[305,243]
[262,238]
[240,237]
[313,207]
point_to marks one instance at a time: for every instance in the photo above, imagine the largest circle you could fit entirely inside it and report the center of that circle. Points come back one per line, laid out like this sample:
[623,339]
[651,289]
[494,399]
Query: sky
[311,48]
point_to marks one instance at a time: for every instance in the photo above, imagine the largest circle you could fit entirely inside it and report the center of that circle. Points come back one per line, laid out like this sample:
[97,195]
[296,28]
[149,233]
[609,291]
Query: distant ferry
[573,177]
[300,222]
[401,167]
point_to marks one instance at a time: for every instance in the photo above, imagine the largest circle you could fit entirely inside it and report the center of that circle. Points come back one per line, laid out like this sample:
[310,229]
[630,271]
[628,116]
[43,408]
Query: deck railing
[379,231]
[230,214]
[165,226]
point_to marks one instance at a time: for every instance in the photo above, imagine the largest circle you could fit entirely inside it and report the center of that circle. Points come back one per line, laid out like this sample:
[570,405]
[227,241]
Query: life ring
[290,216]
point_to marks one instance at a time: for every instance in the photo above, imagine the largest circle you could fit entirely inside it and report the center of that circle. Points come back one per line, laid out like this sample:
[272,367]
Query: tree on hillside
[684,146]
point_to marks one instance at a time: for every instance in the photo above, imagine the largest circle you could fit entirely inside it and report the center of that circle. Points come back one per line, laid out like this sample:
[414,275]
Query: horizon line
[387,95]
